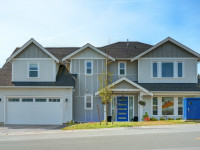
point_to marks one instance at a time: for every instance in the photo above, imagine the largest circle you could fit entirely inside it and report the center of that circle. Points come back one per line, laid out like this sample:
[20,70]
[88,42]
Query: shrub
[170,118]
[161,118]
[153,119]
[179,118]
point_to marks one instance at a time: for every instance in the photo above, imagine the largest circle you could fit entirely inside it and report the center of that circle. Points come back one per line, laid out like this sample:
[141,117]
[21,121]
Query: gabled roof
[84,47]
[130,82]
[26,45]
[164,41]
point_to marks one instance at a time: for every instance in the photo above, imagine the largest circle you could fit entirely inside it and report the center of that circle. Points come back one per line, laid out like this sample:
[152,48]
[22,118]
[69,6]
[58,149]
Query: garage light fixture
[0,99]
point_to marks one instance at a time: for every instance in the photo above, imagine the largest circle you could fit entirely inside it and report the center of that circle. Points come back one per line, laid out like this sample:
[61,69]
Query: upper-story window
[167,69]
[122,68]
[33,70]
[88,67]
[180,69]
[155,69]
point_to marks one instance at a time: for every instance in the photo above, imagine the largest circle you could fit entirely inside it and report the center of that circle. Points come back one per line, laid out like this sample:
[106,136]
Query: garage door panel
[34,113]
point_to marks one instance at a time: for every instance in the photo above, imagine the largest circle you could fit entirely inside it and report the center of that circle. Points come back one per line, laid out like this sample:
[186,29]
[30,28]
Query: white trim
[85,100]
[89,61]
[122,68]
[26,45]
[129,81]
[84,47]
[126,90]
[164,41]
[166,93]
[87,58]
[171,58]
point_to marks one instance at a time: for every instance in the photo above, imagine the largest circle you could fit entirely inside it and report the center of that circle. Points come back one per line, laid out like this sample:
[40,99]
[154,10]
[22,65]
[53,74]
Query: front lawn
[96,125]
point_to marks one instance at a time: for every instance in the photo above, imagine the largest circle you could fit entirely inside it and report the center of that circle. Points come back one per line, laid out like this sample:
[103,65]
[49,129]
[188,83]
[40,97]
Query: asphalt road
[184,138]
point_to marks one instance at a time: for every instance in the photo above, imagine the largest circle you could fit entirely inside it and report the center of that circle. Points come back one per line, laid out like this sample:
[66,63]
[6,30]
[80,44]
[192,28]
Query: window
[54,100]
[27,100]
[89,102]
[33,70]
[180,69]
[88,67]
[131,117]
[40,100]
[168,69]
[122,68]
[114,108]
[167,106]
[13,99]
[155,69]
[155,105]
[180,105]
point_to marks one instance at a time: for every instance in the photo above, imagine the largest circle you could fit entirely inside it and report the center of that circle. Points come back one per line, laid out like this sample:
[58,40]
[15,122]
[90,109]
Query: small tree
[105,90]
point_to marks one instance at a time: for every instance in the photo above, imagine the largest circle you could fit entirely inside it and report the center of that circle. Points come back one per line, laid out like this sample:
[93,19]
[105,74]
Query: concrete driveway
[27,129]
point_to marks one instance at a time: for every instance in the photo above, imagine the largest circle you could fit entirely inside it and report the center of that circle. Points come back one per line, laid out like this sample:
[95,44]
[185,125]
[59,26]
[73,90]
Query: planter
[147,119]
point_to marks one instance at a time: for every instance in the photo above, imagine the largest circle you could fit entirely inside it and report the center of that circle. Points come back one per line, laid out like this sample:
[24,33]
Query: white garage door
[34,111]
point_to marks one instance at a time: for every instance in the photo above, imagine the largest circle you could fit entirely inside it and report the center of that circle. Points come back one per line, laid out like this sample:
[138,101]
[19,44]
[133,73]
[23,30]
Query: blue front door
[122,109]
[193,108]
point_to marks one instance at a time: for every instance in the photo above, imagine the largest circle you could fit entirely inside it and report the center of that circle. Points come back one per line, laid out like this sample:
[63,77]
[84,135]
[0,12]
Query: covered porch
[125,101]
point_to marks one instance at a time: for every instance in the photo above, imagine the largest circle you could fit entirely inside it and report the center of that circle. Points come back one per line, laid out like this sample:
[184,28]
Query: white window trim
[86,101]
[86,61]
[28,64]
[124,68]
[175,69]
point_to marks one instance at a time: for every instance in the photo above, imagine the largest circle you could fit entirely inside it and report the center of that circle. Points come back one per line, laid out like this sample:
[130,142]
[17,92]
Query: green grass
[96,125]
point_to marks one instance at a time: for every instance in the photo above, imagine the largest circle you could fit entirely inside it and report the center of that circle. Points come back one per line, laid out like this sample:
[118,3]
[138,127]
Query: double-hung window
[88,67]
[167,69]
[88,102]
[33,70]
[122,68]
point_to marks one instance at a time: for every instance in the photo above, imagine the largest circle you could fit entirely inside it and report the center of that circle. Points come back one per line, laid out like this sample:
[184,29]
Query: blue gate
[122,109]
[191,108]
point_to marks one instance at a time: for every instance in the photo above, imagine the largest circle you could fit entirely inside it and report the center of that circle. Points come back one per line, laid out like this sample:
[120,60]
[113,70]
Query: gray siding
[32,51]
[168,50]
[124,85]
[131,70]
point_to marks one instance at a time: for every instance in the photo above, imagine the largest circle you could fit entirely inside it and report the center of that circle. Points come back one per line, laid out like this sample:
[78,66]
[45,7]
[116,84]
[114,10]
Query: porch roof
[126,85]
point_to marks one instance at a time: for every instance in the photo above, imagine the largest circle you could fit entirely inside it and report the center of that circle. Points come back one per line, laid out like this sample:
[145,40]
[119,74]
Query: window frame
[85,102]
[155,105]
[38,66]
[86,61]
[120,68]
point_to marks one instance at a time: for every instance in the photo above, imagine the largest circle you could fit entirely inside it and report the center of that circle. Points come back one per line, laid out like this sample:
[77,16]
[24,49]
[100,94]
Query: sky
[62,23]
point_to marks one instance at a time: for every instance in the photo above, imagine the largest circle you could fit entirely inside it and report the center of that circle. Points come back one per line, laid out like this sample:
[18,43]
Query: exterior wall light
[66,100]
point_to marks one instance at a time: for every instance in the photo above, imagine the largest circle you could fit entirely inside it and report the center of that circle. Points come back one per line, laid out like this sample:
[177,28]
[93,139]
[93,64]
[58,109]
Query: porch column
[104,112]
[140,107]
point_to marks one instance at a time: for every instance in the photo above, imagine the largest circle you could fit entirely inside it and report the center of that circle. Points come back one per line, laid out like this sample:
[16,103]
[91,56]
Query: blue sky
[77,22]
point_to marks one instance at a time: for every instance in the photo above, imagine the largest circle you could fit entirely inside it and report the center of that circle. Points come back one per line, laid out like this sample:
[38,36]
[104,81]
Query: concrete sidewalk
[54,134]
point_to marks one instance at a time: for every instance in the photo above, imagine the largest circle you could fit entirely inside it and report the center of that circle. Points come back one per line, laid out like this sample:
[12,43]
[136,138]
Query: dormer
[33,63]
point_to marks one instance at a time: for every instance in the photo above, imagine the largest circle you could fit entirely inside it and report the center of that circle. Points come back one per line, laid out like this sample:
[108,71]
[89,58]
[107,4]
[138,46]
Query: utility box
[191,109]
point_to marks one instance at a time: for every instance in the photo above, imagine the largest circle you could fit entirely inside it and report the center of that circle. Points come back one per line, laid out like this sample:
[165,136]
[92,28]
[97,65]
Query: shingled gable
[26,45]
[84,47]
[168,39]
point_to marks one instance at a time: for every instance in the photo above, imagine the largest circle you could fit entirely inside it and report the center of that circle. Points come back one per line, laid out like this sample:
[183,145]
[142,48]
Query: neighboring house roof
[171,86]
[164,41]
[84,47]
[63,79]
[16,52]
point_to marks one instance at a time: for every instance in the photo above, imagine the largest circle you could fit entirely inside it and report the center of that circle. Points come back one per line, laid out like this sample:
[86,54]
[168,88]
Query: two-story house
[53,85]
